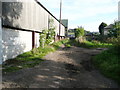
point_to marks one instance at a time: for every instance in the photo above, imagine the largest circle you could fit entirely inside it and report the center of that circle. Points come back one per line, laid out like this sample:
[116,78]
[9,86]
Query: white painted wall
[37,39]
[106,31]
[15,42]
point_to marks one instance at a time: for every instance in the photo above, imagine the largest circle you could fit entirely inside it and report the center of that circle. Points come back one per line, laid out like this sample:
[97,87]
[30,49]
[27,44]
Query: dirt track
[65,68]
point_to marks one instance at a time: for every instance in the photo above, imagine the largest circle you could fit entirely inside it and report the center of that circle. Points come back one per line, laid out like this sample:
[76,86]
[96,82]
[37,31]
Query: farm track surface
[65,68]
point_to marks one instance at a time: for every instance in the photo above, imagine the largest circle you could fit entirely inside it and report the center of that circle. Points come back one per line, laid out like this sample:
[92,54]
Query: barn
[21,21]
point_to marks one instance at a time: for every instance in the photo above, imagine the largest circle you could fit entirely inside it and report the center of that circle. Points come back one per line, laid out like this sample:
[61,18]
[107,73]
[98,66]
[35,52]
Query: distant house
[107,28]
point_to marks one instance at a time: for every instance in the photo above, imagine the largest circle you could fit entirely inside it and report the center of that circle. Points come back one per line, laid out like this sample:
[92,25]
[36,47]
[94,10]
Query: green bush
[67,45]
[115,30]
[79,32]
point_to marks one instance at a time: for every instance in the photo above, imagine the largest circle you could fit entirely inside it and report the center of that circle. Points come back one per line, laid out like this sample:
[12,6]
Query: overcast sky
[86,13]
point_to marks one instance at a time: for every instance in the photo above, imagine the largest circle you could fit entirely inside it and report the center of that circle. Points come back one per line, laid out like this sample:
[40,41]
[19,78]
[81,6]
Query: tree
[115,30]
[101,28]
[79,32]
[86,32]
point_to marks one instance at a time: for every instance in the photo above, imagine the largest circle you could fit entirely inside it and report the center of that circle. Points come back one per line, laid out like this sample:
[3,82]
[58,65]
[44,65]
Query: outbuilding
[21,21]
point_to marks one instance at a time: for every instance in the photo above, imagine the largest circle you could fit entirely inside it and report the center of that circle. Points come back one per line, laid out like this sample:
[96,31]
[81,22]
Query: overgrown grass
[95,44]
[88,44]
[108,62]
[31,58]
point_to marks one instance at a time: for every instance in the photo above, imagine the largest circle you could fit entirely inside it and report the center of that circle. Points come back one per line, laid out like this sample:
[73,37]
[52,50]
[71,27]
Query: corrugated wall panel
[62,31]
[0,42]
[0,34]
[57,26]
[27,15]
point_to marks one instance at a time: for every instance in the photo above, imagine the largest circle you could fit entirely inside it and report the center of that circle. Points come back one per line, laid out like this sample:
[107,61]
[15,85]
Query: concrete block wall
[15,42]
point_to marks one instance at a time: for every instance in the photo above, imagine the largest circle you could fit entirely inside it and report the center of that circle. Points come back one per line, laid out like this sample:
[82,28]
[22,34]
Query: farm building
[21,21]
[107,28]
[65,23]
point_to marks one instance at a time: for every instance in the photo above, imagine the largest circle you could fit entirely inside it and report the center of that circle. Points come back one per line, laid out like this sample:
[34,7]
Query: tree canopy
[101,28]
[79,32]
[115,30]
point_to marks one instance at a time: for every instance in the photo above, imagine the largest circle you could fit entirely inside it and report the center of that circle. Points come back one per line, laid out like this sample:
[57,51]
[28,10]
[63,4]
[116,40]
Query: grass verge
[30,59]
[88,44]
[108,62]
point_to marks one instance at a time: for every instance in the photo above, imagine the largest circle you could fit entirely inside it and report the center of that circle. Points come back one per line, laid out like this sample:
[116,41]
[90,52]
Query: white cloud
[81,10]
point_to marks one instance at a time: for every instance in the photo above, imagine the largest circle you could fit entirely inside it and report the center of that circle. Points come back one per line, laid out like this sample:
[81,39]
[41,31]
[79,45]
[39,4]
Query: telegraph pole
[60,18]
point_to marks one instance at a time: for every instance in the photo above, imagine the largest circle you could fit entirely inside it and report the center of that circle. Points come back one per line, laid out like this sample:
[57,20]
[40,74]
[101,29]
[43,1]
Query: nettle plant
[47,36]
